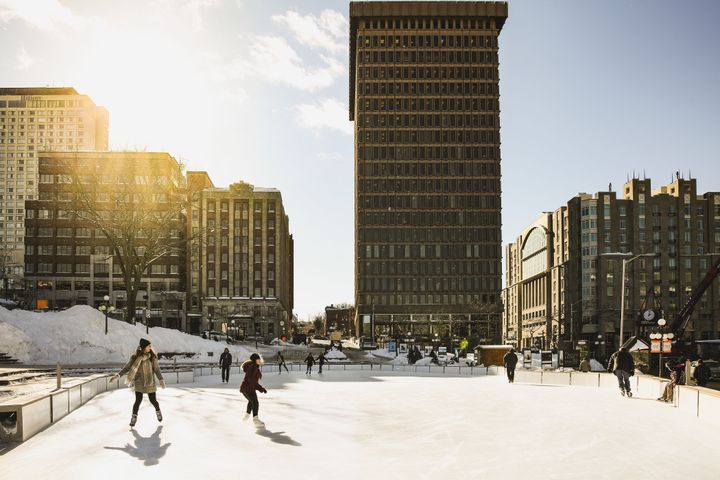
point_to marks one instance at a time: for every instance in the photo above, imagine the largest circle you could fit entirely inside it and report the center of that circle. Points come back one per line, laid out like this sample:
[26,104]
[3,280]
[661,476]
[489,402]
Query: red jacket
[252,378]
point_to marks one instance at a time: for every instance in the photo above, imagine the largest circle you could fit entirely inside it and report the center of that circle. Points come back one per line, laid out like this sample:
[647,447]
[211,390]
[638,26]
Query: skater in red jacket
[251,385]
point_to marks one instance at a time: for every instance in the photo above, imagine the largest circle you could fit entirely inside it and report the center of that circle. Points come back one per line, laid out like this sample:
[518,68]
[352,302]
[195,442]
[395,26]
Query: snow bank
[335,354]
[382,353]
[77,336]
[596,366]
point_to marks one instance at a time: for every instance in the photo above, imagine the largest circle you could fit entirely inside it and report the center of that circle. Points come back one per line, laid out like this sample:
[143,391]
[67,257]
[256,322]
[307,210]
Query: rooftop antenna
[609,187]
[644,176]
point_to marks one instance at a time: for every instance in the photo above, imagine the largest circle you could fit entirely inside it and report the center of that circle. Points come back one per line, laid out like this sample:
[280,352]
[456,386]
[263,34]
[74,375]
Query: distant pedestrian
[702,373]
[309,361]
[623,366]
[510,361]
[141,371]
[321,361]
[585,365]
[225,363]
[669,391]
[251,385]
[281,363]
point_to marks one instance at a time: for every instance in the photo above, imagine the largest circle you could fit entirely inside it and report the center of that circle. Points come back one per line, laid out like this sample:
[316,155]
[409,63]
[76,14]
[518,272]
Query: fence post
[59,375]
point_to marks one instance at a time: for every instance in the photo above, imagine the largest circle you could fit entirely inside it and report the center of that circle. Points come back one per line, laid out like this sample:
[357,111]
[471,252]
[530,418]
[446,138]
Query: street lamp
[626,261]
[106,309]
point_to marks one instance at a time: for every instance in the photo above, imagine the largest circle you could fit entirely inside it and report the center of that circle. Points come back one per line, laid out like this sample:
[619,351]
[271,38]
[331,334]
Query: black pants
[309,369]
[138,400]
[321,365]
[253,404]
[510,374]
[280,367]
[225,372]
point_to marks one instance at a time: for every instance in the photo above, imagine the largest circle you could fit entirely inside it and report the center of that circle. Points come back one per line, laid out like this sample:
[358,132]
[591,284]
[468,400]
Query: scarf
[141,360]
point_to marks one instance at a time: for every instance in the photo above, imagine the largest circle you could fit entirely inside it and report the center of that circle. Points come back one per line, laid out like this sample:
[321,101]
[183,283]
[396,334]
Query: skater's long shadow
[277,437]
[146,449]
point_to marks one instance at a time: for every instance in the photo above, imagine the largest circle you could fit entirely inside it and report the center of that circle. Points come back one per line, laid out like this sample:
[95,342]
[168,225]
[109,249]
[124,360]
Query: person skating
[309,361]
[669,391]
[510,362]
[623,366]
[251,385]
[702,373]
[585,365]
[225,363]
[141,371]
[321,361]
[281,363]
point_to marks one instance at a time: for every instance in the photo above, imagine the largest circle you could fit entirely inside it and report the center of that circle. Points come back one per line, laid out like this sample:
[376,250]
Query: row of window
[95,268]
[240,206]
[442,251]
[238,292]
[405,105]
[415,137]
[445,169]
[449,300]
[423,219]
[431,268]
[475,57]
[430,73]
[434,202]
[412,284]
[445,122]
[428,153]
[429,234]
[439,185]
[408,40]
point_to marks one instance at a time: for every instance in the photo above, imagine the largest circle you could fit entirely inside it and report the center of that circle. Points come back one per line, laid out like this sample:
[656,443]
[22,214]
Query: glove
[113,378]
[162,383]
[263,390]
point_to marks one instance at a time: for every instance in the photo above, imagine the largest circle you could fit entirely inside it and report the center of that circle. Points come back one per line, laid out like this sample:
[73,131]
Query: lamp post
[662,336]
[626,261]
[106,309]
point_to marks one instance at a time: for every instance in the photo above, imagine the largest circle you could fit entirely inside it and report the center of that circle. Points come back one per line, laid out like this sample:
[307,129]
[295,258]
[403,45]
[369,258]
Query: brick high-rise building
[240,259]
[564,272]
[425,100]
[70,262]
[34,120]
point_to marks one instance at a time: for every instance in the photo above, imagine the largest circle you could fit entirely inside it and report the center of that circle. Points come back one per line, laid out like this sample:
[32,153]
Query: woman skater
[309,361]
[251,385]
[141,371]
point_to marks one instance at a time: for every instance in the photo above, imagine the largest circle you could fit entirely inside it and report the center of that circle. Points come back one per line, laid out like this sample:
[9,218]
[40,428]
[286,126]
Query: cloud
[194,8]
[327,32]
[328,113]
[273,59]
[24,60]
[41,14]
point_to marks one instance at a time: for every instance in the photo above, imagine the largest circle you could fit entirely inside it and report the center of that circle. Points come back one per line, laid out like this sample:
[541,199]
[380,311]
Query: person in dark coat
[225,363]
[321,361]
[281,363]
[510,362]
[251,385]
[702,373]
[623,366]
[141,371]
[309,361]
[434,357]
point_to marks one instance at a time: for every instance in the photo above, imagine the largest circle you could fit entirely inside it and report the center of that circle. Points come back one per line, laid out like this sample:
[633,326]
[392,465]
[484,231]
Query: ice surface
[362,424]
[77,336]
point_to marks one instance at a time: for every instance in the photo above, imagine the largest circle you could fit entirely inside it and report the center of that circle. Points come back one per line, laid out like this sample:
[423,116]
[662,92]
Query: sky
[257,90]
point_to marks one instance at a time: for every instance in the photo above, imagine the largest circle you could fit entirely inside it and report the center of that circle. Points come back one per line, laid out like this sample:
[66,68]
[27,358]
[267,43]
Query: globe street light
[105,308]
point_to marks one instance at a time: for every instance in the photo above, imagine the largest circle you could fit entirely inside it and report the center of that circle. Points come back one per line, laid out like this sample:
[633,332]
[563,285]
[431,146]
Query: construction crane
[679,323]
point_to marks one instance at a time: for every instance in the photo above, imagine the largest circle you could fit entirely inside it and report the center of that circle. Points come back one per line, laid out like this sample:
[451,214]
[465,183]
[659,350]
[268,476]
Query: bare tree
[139,208]
[7,264]
[319,322]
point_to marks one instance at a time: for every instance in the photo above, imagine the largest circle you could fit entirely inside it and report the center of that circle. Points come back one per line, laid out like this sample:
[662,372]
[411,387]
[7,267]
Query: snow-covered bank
[77,336]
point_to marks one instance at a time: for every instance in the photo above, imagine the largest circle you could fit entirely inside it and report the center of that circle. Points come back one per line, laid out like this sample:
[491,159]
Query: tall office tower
[424,97]
[34,120]
[240,259]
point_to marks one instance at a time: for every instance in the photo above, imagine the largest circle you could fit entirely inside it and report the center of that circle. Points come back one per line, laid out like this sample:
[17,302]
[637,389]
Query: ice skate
[629,394]
[246,416]
[133,420]
[258,423]
[159,415]
[622,392]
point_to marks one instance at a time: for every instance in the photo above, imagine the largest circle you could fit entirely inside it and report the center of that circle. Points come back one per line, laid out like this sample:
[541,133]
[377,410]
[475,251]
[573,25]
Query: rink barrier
[690,401]
[31,414]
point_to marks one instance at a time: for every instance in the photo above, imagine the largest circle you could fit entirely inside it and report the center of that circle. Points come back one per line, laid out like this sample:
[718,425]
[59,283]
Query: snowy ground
[361,424]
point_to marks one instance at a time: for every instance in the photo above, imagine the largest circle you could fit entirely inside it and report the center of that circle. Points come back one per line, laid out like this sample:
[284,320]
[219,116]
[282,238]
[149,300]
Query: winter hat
[144,343]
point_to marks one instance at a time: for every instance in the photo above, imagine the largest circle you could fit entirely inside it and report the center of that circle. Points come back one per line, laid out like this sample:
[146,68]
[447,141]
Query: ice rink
[370,424]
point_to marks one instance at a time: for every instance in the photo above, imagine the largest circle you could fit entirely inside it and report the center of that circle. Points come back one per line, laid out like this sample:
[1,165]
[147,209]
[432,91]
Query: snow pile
[596,366]
[77,336]
[335,355]
[382,353]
